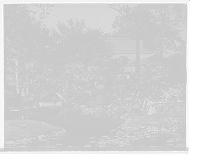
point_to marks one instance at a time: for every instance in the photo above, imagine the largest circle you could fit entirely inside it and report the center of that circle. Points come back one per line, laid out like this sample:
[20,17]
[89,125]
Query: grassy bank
[19,129]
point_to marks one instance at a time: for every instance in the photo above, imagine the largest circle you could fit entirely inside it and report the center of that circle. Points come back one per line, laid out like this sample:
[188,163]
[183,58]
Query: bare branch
[128,18]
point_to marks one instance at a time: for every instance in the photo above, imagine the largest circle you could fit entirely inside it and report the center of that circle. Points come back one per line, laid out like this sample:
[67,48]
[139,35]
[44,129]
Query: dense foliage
[158,79]
[77,61]
[24,45]
[83,58]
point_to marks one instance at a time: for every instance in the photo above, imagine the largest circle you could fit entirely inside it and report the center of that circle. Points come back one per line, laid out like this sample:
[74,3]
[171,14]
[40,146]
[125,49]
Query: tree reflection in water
[51,112]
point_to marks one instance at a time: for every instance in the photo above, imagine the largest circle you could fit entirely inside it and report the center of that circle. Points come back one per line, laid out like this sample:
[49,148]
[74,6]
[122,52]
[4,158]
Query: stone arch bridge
[50,94]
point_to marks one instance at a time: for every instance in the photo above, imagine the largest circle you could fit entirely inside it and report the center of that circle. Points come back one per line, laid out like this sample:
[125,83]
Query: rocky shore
[23,132]
[167,128]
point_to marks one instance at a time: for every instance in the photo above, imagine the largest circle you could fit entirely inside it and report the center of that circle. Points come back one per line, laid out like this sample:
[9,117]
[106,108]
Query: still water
[79,127]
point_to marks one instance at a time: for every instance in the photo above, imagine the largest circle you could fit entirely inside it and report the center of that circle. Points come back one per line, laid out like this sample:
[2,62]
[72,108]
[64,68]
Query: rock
[120,133]
[92,138]
[59,144]
[9,143]
[180,144]
[22,125]
[170,144]
[62,132]
[133,138]
[159,107]
[103,142]
[105,137]
[40,137]
[88,145]
[177,138]
[151,130]
[170,141]
[165,109]
[121,145]
[113,130]
[54,134]
[127,129]
[33,138]
[23,141]
[154,123]
[182,140]
[164,130]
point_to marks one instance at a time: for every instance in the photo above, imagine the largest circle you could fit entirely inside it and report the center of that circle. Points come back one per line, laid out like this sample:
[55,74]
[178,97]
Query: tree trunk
[137,60]
[40,82]
[161,45]
[16,76]
[17,82]
[26,82]
[164,24]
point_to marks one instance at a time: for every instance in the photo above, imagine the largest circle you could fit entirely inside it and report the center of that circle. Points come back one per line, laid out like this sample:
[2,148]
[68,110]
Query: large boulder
[9,143]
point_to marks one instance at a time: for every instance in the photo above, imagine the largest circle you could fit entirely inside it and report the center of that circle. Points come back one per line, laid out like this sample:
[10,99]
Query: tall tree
[25,41]
[12,37]
[134,21]
[170,22]
[83,56]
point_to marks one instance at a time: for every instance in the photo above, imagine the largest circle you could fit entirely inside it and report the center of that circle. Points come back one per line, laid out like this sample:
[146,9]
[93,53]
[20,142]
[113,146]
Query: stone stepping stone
[87,145]
[59,144]
[41,137]
[179,145]
[170,141]
[23,141]
[22,125]
[170,144]
[105,137]
[9,143]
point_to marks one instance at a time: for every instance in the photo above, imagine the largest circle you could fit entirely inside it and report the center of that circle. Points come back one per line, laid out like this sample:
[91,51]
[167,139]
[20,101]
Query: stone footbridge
[50,94]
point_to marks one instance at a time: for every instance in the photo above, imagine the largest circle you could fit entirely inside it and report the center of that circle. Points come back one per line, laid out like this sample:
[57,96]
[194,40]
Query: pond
[79,127]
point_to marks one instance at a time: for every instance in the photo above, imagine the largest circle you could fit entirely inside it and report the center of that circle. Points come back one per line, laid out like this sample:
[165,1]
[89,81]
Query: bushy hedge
[80,100]
[166,88]
[128,91]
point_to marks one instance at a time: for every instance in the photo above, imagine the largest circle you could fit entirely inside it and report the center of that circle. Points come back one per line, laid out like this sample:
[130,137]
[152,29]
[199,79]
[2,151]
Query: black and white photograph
[95,76]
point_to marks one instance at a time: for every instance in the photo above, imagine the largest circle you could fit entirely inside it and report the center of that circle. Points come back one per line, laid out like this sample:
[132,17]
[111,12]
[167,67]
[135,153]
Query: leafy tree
[81,55]
[135,22]
[170,24]
[26,41]
[78,56]
[160,77]
[12,38]
[159,25]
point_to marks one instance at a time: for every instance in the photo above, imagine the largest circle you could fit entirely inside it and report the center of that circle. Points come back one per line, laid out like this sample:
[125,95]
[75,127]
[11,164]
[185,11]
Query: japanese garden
[76,87]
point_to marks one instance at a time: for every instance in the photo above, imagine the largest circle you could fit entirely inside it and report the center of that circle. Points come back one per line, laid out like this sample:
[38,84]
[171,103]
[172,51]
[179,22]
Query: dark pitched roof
[126,46]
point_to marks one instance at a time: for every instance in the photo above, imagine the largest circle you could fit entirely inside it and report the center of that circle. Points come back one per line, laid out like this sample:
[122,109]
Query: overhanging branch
[128,18]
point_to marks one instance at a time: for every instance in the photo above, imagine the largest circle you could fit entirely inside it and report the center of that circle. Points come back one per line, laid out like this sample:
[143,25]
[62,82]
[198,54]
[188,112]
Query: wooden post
[56,87]
[64,91]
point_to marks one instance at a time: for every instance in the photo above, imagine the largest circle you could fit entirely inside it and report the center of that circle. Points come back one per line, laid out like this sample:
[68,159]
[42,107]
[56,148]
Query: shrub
[92,97]
[80,100]
[108,102]
[165,91]
[167,85]
[83,102]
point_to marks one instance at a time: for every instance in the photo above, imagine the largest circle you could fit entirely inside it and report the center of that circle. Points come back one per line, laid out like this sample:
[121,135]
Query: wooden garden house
[126,47]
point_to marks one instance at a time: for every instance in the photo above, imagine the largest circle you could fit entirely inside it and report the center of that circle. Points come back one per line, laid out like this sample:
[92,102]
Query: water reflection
[50,112]
[79,127]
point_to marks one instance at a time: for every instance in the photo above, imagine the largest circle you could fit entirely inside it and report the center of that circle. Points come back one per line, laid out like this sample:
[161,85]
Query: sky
[95,15]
